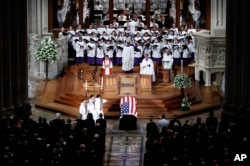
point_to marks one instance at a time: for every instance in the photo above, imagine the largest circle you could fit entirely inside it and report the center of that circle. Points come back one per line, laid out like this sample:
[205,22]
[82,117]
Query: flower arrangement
[185,104]
[46,51]
[182,81]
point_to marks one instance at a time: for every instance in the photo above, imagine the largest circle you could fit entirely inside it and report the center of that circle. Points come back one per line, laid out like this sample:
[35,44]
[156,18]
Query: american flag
[128,106]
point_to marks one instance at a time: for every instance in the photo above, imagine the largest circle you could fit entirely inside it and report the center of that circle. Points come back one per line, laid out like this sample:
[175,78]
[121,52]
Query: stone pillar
[15,54]
[237,90]
[210,45]
[218,17]
[38,16]
[7,58]
[23,54]
[2,109]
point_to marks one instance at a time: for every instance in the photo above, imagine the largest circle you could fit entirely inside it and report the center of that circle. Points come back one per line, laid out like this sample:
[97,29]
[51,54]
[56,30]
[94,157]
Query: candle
[86,85]
[101,82]
[181,66]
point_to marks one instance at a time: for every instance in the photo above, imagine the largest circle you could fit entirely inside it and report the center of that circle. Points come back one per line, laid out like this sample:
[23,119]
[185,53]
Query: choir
[91,45]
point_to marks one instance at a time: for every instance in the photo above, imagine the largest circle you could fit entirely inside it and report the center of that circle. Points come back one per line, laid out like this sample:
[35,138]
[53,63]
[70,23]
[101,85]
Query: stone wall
[37,69]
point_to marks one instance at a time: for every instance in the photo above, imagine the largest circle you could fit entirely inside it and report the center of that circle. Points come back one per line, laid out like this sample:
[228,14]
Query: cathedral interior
[222,47]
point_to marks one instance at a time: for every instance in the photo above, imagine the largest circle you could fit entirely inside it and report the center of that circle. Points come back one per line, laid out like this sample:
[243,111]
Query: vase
[185,108]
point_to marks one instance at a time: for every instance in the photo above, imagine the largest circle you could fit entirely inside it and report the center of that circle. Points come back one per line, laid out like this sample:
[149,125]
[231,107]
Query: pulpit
[128,84]
[166,75]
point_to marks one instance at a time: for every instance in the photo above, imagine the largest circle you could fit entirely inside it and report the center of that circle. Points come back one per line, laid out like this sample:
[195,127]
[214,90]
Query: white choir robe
[74,42]
[107,66]
[91,49]
[108,51]
[128,58]
[147,68]
[100,30]
[99,51]
[119,49]
[83,110]
[185,53]
[79,49]
[99,105]
[147,49]
[156,51]
[167,61]
[176,51]
[138,54]
[92,110]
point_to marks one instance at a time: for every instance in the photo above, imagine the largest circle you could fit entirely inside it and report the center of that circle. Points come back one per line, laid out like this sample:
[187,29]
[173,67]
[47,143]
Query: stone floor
[122,147]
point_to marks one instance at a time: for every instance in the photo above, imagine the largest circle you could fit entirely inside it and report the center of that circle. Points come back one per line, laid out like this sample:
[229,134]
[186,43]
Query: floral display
[182,81]
[185,104]
[46,51]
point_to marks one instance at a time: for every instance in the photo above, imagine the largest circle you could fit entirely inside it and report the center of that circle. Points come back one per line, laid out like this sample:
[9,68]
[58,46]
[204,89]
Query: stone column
[218,17]
[7,58]
[2,109]
[38,16]
[15,54]
[237,90]
[23,54]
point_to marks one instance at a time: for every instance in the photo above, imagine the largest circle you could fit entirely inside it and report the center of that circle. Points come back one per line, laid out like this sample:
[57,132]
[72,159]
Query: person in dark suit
[211,122]
[174,122]
[102,121]
[152,129]
[162,22]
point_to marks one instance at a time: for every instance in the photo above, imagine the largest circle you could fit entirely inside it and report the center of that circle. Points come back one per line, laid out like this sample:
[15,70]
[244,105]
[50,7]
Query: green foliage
[185,104]
[46,50]
[182,81]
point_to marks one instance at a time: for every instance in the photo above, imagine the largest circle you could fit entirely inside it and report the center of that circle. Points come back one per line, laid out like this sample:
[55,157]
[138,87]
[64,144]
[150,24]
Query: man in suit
[152,129]
[211,122]
[101,126]
[162,22]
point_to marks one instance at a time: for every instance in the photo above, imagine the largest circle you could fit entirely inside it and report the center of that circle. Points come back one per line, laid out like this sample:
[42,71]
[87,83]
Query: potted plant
[185,104]
[182,81]
[46,52]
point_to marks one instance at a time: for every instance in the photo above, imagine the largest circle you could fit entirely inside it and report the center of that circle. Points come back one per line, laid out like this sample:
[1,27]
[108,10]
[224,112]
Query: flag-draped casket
[128,118]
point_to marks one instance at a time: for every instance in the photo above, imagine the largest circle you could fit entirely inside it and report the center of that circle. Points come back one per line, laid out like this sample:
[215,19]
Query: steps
[67,92]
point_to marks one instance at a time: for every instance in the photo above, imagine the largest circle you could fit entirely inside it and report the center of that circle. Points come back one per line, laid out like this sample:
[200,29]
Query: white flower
[46,50]
[185,103]
[182,81]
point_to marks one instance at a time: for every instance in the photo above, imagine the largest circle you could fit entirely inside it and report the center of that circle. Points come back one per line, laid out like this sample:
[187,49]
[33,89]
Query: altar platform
[78,82]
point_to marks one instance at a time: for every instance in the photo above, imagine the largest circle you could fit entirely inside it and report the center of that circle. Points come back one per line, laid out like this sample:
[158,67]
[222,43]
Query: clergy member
[107,66]
[91,107]
[147,67]
[83,109]
[128,57]
[99,101]
[167,60]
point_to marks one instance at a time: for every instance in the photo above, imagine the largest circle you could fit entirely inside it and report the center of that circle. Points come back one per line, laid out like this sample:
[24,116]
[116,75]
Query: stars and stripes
[128,106]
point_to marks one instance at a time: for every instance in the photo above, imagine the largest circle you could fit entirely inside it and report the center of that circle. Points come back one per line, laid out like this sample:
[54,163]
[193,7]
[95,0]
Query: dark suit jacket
[162,23]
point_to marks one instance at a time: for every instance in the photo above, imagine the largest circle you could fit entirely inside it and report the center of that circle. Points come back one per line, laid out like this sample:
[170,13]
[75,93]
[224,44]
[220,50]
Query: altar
[127,84]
